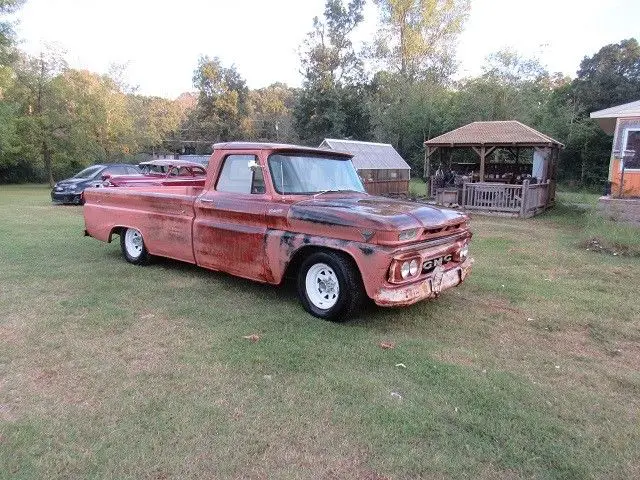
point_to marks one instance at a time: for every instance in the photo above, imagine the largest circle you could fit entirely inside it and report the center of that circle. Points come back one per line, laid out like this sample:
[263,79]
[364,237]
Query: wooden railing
[536,198]
[523,200]
[496,197]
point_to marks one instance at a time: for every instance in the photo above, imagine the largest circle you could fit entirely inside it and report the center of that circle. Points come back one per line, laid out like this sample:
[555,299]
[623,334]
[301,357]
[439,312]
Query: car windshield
[88,172]
[310,174]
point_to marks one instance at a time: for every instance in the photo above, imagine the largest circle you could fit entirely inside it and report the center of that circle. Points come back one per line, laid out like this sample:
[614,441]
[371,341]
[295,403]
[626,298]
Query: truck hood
[371,213]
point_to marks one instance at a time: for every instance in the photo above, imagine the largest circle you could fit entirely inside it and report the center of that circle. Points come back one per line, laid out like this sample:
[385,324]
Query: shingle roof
[368,155]
[499,133]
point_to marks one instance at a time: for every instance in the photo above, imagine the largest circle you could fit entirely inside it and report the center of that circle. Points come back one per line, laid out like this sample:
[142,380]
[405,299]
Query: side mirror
[253,165]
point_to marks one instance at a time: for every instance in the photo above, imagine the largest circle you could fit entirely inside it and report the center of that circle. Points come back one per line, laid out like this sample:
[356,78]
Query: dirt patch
[457,357]
[493,304]
[599,245]
[74,367]
[12,333]
[6,415]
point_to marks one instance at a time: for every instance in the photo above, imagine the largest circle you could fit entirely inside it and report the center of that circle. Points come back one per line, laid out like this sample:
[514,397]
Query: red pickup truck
[268,211]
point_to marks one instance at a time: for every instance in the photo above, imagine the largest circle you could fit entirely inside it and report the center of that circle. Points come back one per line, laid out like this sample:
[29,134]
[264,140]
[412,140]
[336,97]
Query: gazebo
[498,178]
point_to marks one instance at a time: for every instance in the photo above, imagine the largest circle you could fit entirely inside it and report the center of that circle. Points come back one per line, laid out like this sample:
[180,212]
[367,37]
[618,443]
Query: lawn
[108,370]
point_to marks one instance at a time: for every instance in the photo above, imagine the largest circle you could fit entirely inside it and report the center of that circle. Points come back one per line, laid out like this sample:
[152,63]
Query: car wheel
[329,286]
[132,245]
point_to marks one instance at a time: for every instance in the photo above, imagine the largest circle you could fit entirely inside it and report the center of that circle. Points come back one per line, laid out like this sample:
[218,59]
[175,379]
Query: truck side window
[236,177]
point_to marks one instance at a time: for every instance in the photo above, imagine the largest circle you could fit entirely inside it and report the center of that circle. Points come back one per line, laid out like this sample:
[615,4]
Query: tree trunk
[48,167]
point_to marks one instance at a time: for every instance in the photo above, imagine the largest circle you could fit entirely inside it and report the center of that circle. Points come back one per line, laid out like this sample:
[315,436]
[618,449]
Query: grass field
[531,369]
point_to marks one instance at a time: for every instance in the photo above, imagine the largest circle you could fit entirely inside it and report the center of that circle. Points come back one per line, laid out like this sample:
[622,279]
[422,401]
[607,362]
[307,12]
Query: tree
[6,29]
[272,113]
[406,114]
[40,118]
[223,102]
[610,77]
[331,101]
[417,37]
[328,58]
[99,118]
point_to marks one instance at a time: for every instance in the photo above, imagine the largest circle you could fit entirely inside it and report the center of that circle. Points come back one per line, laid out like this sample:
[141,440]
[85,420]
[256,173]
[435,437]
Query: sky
[160,41]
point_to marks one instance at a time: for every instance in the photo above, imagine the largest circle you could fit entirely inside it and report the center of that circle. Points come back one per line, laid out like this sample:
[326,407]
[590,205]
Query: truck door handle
[207,200]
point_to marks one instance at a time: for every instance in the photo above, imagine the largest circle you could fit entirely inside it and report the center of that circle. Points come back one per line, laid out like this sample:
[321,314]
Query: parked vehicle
[70,190]
[162,172]
[268,211]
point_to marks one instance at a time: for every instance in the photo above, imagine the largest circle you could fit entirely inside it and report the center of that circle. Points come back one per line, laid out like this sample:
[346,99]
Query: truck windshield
[310,174]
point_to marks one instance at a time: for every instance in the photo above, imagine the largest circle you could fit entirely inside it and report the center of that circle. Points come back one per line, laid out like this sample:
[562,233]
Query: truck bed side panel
[163,215]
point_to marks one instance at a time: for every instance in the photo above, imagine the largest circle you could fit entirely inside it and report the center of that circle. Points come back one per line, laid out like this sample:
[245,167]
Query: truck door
[230,223]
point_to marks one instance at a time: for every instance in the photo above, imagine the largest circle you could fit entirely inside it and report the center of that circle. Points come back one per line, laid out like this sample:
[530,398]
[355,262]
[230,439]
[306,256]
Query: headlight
[405,269]
[413,267]
[407,234]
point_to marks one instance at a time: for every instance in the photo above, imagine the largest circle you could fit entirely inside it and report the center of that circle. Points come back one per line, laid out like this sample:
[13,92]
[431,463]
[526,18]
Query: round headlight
[404,270]
[413,267]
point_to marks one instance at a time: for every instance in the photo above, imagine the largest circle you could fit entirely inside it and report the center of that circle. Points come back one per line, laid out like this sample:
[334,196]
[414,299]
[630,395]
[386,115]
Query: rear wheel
[329,286]
[132,245]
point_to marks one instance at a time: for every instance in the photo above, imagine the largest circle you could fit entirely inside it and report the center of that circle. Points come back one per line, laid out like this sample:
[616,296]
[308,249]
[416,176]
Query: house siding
[631,177]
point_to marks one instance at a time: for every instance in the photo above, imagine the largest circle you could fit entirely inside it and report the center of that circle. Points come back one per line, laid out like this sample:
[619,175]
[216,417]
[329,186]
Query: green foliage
[7,35]
[271,113]
[611,77]
[417,36]
[223,102]
[331,102]
[55,120]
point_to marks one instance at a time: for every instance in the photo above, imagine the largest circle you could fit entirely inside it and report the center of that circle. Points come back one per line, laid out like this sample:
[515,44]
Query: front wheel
[329,286]
[132,245]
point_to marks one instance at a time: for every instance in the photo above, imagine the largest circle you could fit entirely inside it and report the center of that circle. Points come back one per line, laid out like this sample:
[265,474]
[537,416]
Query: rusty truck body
[268,211]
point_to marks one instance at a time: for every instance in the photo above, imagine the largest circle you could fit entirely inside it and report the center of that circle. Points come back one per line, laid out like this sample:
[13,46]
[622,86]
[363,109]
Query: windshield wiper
[322,192]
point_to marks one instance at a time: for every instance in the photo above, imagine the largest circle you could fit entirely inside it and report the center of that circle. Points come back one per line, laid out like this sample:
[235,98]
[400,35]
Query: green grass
[528,370]
[417,187]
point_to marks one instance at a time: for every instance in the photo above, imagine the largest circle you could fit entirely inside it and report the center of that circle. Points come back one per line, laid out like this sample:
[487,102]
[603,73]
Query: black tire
[138,254]
[350,294]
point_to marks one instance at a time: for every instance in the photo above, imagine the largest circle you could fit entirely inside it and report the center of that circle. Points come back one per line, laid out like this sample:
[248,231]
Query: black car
[70,190]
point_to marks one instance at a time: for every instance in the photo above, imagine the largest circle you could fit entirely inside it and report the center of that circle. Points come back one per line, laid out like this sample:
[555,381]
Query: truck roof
[278,147]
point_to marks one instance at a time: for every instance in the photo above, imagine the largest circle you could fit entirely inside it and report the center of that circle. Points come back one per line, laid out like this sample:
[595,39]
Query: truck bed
[164,216]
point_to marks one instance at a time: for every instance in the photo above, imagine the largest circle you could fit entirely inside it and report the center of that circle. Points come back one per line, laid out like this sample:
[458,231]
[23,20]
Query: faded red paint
[257,236]
[189,174]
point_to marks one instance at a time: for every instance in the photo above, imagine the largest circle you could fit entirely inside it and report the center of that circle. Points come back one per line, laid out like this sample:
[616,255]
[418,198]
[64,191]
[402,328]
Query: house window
[631,152]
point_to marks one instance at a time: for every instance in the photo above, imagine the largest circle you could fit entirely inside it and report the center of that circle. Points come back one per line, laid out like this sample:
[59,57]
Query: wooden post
[483,152]
[621,192]
[464,195]
[426,160]
[523,206]
[427,168]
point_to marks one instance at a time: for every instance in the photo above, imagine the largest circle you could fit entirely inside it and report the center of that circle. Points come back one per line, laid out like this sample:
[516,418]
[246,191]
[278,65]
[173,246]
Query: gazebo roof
[503,133]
